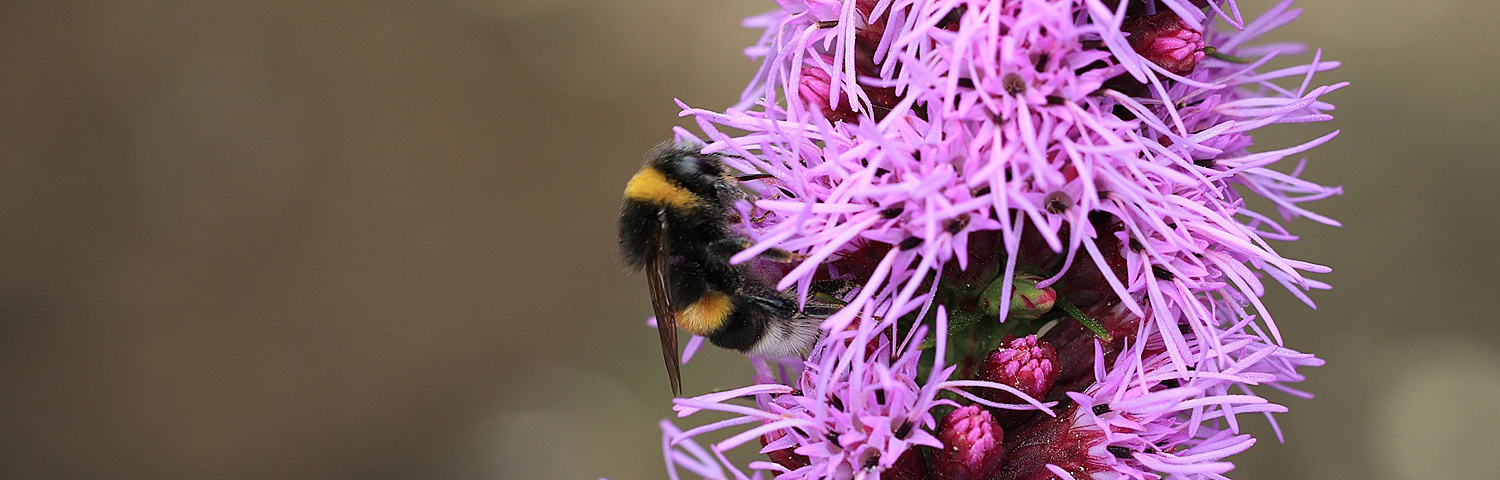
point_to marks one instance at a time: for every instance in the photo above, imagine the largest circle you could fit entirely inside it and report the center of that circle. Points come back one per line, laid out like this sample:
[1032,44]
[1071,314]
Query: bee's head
[688,167]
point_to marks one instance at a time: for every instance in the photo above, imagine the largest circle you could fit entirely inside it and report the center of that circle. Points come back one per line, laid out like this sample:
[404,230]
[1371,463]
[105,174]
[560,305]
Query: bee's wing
[661,302]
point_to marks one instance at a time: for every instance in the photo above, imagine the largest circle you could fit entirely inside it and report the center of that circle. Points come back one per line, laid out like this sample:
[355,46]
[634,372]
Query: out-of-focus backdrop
[374,240]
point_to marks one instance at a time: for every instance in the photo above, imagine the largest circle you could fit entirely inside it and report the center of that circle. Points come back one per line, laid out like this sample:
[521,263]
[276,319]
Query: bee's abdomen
[707,315]
[750,320]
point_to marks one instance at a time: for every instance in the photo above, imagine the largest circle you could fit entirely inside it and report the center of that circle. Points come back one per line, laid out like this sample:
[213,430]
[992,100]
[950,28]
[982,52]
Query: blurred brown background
[373,240]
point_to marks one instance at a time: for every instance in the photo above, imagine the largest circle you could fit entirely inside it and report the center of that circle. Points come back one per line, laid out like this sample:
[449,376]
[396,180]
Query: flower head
[1067,173]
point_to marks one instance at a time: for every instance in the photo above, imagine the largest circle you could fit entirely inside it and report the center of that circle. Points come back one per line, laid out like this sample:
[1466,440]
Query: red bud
[1166,40]
[972,447]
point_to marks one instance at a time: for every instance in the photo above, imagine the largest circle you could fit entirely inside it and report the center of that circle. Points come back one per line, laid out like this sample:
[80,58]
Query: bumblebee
[677,223]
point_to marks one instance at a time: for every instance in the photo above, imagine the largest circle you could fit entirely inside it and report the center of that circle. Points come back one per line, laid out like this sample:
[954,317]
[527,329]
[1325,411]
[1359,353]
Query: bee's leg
[731,245]
[836,288]
[728,246]
[782,256]
[827,297]
[820,309]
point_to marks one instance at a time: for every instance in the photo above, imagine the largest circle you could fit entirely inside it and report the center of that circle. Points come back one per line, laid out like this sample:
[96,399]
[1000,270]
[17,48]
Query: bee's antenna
[753,176]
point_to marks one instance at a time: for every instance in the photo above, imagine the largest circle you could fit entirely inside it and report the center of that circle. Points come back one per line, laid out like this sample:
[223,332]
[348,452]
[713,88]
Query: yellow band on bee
[707,314]
[649,185]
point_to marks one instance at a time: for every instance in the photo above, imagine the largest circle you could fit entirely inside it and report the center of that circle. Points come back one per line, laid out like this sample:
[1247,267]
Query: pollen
[706,315]
[650,186]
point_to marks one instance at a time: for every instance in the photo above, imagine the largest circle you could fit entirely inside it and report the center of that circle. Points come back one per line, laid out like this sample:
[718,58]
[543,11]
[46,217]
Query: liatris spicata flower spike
[1040,208]
[972,447]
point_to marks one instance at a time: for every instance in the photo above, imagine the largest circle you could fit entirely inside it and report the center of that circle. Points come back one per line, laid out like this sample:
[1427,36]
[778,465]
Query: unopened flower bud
[1026,302]
[1052,441]
[1164,39]
[1025,363]
[972,447]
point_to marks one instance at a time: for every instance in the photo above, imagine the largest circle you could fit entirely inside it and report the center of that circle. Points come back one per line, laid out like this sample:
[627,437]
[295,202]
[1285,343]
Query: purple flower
[856,409]
[1079,162]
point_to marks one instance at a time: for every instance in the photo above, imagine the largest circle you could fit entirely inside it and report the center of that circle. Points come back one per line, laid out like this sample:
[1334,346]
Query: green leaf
[1088,322]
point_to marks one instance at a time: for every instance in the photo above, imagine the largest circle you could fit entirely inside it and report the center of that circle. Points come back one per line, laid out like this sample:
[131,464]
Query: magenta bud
[1052,441]
[972,448]
[1025,363]
[1164,39]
